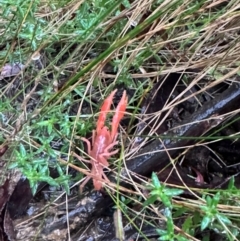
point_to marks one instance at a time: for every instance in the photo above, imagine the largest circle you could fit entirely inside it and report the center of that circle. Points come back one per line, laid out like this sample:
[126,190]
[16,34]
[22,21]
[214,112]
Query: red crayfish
[103,140]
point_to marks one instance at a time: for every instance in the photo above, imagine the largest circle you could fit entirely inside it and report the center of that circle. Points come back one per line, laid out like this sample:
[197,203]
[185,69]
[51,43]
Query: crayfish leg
[83,184]
[88,144]
[105,110]
[120,111]
[98,184]
[80,158]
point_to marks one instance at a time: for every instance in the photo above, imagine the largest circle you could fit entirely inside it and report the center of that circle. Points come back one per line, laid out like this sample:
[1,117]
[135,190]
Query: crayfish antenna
[105,110]
[120,111]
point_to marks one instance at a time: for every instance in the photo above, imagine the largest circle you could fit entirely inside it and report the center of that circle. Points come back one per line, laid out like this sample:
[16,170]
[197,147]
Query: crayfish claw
[120,111]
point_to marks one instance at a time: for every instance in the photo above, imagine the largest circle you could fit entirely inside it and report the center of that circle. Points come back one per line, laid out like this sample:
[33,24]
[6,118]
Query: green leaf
[44,171]
[156,192]
[150,200]
[181,238]
[231,183]
[196,217]
[49,129]
[188,223]
[126,4]
[63,179]
[165,237]
[33,186]
[40,161]
[43,123]
[168,213]
[49,180]
[204,208]
[13,165]
[224,219]
[208,201]
[161,231]
[20,11]
[205,222]
[216,199]
[22,150]
[166,201]
[180,212]
[172,191]
[155,180]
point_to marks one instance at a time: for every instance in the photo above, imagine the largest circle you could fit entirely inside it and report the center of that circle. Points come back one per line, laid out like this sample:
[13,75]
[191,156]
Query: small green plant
[159,192]
[211,212]
[169,233]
